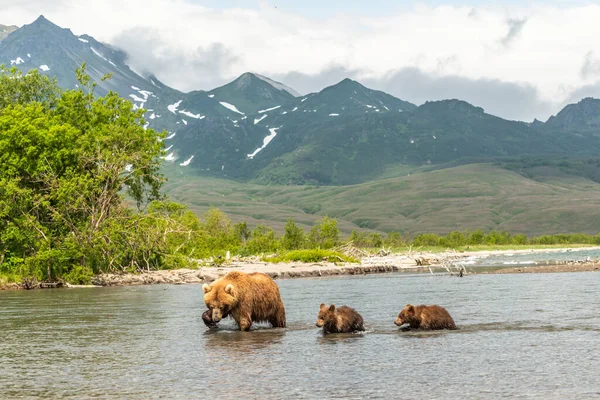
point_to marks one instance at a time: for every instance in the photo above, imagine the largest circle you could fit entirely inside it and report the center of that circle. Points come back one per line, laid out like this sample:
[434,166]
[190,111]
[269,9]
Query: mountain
[251,93]
[583,117]
[257,129]
[6,30]
[350,97]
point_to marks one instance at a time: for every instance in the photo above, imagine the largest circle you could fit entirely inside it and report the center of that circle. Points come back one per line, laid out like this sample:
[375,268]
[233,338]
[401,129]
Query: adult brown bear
[247,298]
[425,317]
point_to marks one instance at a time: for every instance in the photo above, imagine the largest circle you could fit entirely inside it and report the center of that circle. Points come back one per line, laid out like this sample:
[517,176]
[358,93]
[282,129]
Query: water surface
[523,336]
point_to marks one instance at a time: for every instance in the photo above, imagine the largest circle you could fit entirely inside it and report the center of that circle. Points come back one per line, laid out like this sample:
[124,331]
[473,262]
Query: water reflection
[238,342]
[339,338]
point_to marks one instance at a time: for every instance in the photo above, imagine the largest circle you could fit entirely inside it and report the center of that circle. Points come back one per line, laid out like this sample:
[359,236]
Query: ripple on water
[534,336]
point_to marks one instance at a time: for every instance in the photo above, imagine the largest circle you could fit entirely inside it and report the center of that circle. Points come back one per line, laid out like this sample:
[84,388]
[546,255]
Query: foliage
[294,237]
[325,234]
[310,255]
[67,161]
[263,240]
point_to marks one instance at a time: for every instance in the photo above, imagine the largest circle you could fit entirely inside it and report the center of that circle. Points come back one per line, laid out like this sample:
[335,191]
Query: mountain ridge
[257,129]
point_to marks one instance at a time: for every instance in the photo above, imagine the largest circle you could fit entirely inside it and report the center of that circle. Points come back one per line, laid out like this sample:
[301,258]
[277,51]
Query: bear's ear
[410,308]
[206,288]
[322,306]
[332,308]
[230,290]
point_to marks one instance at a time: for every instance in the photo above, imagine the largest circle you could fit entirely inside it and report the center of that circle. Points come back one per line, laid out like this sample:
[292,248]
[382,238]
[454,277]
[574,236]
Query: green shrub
[325,234]
[294,237]
[426,239]
[311,255]
[79,275]
[263,240]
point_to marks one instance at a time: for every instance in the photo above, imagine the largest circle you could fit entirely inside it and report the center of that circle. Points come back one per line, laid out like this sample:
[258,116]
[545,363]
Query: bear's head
[325,313]
[406,315]
[220,298]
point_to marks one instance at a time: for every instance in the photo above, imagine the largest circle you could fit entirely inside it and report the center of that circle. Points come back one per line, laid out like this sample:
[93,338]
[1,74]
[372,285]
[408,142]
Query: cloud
[203,67]
[591,90]
[307,83]
[591,66]
[450,50]
[515,26]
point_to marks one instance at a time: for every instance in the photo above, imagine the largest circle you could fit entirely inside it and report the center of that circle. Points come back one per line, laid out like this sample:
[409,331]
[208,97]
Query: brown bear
[425,317]
[339,320]
[247,298]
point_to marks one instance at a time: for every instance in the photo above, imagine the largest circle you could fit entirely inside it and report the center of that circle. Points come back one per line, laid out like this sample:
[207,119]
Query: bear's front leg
[245,322]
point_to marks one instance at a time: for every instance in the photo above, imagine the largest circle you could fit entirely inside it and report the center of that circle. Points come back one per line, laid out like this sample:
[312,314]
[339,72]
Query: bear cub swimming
[339,320]
[425,317]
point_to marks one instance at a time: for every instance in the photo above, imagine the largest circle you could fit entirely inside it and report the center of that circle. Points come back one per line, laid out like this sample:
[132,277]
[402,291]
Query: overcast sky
[521,60]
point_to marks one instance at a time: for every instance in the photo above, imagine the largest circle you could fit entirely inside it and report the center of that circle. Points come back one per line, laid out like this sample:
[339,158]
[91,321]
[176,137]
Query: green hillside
[459,198]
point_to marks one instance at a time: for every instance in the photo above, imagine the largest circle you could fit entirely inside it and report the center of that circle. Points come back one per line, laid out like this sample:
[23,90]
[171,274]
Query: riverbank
[591,266]
[369,264]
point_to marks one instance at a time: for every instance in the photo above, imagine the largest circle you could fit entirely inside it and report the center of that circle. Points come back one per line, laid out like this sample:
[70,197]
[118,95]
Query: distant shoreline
[404,262]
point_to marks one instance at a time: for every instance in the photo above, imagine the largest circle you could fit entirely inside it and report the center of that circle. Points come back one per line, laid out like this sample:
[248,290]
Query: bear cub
[339,320]
[425,317]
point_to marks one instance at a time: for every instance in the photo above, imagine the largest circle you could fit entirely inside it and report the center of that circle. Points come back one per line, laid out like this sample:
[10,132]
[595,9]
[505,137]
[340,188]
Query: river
[527,336]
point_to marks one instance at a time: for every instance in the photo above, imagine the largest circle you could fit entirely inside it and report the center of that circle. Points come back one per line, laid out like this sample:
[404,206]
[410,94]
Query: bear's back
[435,317]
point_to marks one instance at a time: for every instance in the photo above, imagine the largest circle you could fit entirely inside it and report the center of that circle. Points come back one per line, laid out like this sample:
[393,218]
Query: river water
[530,258]
[531,336]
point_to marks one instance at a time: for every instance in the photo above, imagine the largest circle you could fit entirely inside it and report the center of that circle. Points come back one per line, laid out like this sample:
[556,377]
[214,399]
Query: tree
[294,237]
[69,162]
[325,234]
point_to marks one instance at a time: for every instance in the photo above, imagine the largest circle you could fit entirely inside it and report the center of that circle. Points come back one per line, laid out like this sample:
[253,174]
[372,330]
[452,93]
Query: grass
[310,256]
[467,197]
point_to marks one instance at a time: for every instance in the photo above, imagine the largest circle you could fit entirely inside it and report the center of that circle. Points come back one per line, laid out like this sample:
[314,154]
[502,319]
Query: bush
[79,275]
[263,240]
[394,239]
[325,234]
[520,239]
[426,239]
[312,255]
[294,236]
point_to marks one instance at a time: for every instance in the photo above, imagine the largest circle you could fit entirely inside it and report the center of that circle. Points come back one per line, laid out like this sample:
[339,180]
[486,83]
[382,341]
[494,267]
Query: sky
[516,59]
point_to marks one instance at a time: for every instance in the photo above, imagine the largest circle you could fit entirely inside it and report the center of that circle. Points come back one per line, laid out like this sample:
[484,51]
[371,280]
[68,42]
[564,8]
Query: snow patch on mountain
[170,157]
[268,109]
[44,67]
[98,54]
[257,120]
[83,40]
[187,162]
[334,115]
[266,141]
[231,107]
[191,115]
[173,107]
[18,61]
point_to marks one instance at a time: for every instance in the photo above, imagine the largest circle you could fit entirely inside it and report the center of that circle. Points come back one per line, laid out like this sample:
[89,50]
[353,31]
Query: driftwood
[50,285]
